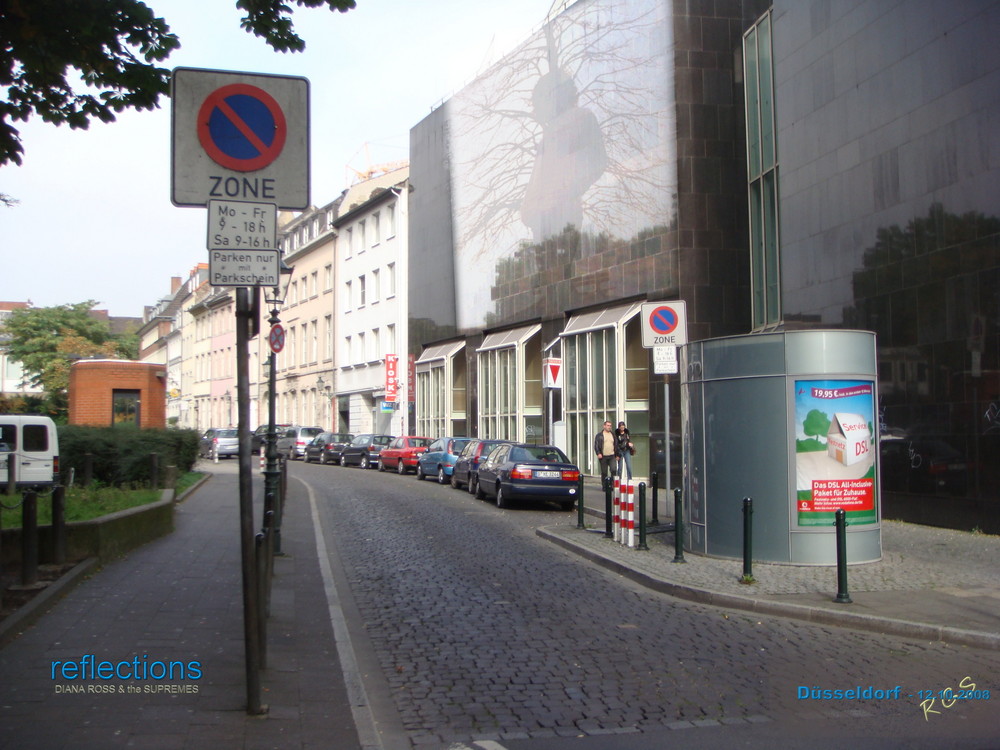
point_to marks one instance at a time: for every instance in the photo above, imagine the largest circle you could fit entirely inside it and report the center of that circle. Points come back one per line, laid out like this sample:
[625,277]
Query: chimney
[175,284]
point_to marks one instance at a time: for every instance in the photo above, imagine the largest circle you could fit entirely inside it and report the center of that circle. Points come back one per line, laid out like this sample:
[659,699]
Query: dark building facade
[796,164]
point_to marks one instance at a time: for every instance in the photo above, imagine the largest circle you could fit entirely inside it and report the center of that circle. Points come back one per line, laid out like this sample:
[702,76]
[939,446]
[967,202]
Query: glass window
[762,170]
[36,438]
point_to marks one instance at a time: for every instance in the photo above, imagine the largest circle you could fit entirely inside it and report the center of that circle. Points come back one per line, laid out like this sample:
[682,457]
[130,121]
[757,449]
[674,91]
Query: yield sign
[552,371]
[276,338]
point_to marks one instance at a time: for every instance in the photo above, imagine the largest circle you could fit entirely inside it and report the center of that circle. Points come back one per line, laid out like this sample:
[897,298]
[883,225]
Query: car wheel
[501,499]
[420,473]
[343,461]
[291,454]
[442,477]
[477,491]
[381,466]
[364,462]
[322,458]
[400,468]
[454,481]
[568,505]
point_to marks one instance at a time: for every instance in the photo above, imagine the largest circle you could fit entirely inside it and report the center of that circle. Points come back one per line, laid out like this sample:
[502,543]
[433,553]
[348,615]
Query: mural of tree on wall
[573,130]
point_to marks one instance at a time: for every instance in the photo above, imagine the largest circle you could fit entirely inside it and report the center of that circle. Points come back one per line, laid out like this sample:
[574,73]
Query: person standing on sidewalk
[625,449]
[606,449]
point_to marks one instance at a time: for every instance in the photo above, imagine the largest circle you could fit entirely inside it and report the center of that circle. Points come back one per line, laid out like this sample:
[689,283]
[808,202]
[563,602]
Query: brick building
[106,392]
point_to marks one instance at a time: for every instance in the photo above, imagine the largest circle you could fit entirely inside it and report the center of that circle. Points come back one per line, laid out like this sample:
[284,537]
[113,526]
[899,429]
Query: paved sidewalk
[931,584]
[179,598]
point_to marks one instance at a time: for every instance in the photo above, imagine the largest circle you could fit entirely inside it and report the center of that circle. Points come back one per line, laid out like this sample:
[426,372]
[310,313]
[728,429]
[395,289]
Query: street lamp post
[271,471]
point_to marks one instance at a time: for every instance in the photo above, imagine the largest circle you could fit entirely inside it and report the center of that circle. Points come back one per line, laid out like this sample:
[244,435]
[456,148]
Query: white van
[31,443]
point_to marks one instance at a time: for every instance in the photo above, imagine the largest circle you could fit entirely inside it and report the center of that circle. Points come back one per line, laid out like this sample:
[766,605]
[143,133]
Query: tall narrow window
[762,174]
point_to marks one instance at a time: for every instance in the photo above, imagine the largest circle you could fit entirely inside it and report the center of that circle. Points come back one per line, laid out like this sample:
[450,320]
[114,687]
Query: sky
[93,218]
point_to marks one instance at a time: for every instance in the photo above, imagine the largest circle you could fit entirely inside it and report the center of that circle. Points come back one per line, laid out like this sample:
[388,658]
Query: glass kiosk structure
[788,419]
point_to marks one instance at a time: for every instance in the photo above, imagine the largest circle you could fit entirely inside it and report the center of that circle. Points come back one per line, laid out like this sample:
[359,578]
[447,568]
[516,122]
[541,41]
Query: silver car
[293,441]
[219,443]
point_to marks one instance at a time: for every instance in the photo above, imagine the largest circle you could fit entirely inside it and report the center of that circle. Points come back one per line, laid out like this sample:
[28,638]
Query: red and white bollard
[616,516]
[628,515]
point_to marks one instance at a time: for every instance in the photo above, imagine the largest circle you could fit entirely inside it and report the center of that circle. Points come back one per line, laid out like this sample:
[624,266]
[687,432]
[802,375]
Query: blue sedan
[515,471]
[440,457]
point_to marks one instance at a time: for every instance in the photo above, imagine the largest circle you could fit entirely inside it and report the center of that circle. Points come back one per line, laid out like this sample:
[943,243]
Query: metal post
[579,503]
[252,642]
[272,472]
[840,519]
[655,480]
[59,525]
[608,520]
[11,473]
[748,539]
[642,517]
[678,527]
[29,538]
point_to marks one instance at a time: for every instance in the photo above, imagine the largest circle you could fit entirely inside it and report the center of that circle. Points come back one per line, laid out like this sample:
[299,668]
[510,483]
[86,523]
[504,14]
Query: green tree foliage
[114,46]
[46,341]
[816,424]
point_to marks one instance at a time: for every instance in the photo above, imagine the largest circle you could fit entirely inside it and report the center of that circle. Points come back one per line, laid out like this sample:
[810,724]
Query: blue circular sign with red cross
[663,320]
[241,127]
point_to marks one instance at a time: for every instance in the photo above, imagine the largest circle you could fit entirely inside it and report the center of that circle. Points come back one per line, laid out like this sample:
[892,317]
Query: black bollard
[840,519]
[260,575]
[642,517]
[59,525]
[11,474]
[29,538]
[654,479]
[748,539]
[579,503]
[678,527]
[154,471]
[608,520]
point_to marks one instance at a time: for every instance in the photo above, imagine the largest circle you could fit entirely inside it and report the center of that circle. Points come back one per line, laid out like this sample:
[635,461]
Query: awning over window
[508,338]
[438,353]
[598,319]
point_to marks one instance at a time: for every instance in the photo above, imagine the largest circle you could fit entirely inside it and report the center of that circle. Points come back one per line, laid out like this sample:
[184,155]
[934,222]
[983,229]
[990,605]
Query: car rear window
[311,431]
[420,442]
[227,433]
[548,454]
[382,439]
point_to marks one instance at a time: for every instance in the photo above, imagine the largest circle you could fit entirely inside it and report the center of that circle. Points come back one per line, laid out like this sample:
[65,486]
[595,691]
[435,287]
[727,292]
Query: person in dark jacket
[625,449]
[606,448]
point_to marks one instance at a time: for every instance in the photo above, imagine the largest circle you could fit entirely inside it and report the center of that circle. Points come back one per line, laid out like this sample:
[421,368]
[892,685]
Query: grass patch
[86,503]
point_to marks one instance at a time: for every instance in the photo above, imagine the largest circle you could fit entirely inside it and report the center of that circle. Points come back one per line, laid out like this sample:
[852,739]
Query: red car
[401,453]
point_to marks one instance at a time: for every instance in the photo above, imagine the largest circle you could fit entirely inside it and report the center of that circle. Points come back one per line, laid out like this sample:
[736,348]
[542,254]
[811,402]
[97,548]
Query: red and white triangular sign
[552,371]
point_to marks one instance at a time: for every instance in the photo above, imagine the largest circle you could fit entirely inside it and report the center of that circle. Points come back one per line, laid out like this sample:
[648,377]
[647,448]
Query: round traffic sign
[241,127]
[663,320]
[276,338]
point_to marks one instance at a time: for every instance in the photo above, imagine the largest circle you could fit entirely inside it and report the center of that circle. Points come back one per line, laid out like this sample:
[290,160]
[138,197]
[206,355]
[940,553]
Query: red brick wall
[92,384]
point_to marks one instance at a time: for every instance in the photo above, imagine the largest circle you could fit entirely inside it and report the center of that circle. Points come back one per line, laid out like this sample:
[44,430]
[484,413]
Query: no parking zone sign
[664,324]
[239,137]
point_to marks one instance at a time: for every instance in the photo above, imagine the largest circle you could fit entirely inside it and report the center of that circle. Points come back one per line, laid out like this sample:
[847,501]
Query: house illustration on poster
[848,439]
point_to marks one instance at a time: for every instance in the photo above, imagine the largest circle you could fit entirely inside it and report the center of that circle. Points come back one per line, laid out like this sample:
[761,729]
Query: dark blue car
[467,465]
[439,459]
[516,471]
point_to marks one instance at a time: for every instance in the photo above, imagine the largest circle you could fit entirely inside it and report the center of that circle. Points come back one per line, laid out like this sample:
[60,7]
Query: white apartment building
[13,381]
[304,378]
[373,387]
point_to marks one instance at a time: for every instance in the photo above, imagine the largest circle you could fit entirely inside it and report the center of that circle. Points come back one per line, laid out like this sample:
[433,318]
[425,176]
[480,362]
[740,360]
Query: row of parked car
[490,469]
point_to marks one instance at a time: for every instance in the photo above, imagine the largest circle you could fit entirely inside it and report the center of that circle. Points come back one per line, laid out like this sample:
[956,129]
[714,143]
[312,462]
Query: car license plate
[548,474]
